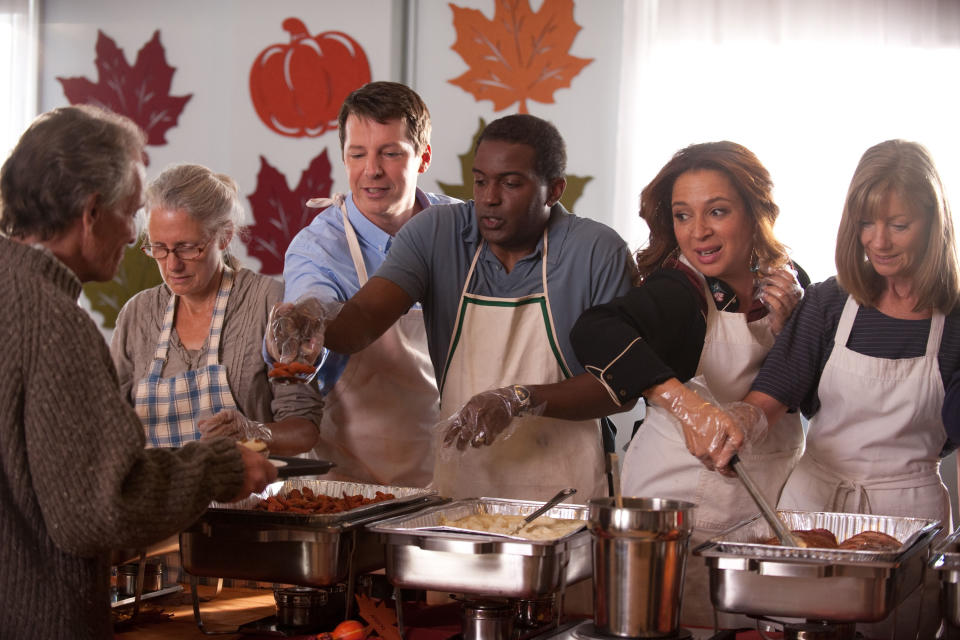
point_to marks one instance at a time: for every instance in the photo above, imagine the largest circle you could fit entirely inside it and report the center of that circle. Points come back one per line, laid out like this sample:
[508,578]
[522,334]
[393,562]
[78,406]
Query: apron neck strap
[219,311]
[354,245]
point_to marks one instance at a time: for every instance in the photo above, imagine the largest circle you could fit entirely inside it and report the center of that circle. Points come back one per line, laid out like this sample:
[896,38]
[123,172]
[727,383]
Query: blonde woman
[868,353]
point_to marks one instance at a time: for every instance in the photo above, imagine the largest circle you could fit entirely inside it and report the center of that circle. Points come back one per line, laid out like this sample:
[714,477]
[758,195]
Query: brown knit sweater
[75,479]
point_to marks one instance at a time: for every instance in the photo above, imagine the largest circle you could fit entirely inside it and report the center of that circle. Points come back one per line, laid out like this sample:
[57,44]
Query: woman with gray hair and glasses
[188,351]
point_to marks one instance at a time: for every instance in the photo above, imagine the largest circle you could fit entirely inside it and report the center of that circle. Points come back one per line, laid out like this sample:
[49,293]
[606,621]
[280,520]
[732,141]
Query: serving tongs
[783,533]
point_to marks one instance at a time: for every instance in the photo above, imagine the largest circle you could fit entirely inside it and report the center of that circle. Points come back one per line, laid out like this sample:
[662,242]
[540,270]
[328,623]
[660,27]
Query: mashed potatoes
[543,528]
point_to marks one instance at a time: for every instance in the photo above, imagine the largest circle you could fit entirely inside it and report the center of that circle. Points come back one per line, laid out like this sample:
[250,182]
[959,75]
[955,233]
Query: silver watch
[523,396]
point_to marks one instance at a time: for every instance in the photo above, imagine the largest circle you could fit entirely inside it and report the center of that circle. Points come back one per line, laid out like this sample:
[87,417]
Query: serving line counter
[507,588]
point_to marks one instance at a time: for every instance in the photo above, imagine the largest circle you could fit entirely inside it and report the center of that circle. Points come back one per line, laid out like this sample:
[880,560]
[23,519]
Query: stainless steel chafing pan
[237,541]
[421,557]
[824,584]
[945,559]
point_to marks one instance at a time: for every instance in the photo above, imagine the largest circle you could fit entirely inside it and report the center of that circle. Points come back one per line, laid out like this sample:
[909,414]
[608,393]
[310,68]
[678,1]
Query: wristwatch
[522,394]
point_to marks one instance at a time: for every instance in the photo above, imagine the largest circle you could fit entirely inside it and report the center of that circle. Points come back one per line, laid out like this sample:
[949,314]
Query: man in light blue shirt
[380,403]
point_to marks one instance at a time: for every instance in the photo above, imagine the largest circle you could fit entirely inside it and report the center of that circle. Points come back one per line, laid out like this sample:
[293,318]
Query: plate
[291,467]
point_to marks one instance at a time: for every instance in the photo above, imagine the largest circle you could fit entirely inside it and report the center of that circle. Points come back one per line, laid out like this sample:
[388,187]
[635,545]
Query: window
[18,69]
[807,86]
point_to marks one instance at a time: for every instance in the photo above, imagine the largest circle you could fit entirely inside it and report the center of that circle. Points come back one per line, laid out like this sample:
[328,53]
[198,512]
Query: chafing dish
[420,557]
[236,541]
[945,559]
[822,584]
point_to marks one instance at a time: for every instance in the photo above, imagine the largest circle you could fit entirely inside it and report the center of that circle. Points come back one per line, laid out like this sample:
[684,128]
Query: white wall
[212,44]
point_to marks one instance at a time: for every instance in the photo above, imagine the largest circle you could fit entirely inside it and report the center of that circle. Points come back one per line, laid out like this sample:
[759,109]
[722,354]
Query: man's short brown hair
[385,101]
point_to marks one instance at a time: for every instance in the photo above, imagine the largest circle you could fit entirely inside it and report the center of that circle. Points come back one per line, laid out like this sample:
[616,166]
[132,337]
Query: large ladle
[786,536]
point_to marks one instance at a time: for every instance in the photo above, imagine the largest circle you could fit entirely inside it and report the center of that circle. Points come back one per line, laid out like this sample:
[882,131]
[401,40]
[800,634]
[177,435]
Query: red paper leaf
[140,92]
[519,55]
[280,213]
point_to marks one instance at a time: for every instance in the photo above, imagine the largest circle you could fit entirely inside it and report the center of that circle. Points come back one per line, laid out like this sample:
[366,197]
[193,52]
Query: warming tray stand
[486,566]
[838,586]
[237,541]
[945,560]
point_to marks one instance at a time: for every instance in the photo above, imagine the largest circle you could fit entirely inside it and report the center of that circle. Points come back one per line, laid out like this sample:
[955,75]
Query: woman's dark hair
[747,175]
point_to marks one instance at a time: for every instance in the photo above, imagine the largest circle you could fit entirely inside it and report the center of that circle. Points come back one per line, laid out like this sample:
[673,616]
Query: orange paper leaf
[379,616]
[519,55]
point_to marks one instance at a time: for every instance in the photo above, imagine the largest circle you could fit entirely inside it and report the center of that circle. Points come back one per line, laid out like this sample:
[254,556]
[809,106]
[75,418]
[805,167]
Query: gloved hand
[295,330]
[233,424]
[711,435]
[486,415]
[780,292]
[751,420]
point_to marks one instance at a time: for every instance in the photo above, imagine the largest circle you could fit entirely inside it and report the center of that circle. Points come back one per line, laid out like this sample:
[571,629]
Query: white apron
[658,464]
[874,445]
[500,341]
[379,416]
[170,407]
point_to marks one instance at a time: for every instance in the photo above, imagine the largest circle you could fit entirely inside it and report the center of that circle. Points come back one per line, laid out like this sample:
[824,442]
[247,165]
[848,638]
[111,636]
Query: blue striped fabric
[170,407]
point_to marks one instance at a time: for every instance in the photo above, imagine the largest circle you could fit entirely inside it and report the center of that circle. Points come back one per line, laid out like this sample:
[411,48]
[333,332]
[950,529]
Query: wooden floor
[171,616]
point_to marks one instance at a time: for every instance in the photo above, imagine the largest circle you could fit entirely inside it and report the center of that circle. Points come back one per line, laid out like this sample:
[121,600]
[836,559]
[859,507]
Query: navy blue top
[791,372]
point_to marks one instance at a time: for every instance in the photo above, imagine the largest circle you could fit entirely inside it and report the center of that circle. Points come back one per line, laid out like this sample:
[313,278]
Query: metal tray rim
[390,526]
[941,559]
[718,546]
[250,516]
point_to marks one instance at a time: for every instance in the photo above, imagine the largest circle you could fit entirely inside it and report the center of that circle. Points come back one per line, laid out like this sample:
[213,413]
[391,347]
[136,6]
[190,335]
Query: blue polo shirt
[587,264]
[318,264]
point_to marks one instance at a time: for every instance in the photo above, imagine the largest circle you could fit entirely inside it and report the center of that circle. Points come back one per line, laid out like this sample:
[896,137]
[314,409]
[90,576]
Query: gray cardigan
[245,321]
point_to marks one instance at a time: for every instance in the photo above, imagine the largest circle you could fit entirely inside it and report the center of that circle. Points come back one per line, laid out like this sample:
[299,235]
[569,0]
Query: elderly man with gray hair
[75,478]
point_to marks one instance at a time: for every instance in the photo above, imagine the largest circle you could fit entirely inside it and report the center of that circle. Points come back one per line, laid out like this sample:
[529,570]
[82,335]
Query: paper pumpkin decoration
[297,88]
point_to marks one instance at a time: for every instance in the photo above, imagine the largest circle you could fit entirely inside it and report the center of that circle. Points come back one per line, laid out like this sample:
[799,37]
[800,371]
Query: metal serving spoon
[786,536]
[563,493]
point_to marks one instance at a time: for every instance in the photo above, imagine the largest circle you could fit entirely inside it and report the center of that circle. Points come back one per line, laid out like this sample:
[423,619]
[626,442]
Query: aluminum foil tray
[744,539]
[945,559]
[244,510]
[237,541]
[835,585]
[421,556]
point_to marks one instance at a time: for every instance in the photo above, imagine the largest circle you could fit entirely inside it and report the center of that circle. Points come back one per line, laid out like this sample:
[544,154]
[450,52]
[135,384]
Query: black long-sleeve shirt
[653,333]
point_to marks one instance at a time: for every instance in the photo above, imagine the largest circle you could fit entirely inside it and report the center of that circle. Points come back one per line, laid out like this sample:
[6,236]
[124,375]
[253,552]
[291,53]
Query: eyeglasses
[182,251]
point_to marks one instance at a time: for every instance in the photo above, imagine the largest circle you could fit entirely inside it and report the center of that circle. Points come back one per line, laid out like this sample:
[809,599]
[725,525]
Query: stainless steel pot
[819,631]
[127,578]
[536,612]
[487,620]
[639,557]
[299,606]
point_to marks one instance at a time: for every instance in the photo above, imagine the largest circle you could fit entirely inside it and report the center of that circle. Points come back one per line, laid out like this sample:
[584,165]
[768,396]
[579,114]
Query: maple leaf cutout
[280,213]
[519,55]
[464,190]
[137,272]
[140,92]
[382,619]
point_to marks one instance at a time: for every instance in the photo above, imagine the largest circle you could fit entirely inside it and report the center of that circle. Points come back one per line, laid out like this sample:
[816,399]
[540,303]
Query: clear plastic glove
[485,416]
[233,424]
[780,292]
[295,336]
